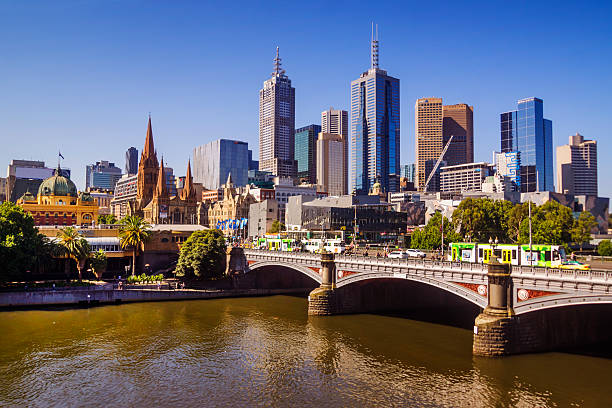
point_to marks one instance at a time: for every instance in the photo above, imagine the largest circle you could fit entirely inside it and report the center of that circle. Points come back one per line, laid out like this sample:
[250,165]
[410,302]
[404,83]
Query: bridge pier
[496,328]
[323,301]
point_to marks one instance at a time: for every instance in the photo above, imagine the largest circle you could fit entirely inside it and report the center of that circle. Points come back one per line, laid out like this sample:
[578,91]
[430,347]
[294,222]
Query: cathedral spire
[161,190]
[188,189]
[149,148]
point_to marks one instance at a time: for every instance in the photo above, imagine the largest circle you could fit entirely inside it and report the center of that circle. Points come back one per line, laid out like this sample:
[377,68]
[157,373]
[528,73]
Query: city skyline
[61,119]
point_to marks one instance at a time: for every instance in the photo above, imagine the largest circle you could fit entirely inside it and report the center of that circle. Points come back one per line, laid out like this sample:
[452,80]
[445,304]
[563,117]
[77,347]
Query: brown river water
[267,352]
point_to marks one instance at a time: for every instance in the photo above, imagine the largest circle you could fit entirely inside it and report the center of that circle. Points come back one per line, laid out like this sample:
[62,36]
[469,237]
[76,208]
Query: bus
[544,255]
[335,245]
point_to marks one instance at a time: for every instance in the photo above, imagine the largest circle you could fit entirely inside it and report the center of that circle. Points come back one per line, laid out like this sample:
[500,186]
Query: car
[575,265]
[398,255]
[415,253]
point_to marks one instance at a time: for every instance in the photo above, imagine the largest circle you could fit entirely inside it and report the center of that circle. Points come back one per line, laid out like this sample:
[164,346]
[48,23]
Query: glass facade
[214,161]
[305,152]
[526,131]
[408,171]
[375,131]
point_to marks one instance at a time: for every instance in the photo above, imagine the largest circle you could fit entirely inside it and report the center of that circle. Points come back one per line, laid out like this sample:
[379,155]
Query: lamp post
[530,241]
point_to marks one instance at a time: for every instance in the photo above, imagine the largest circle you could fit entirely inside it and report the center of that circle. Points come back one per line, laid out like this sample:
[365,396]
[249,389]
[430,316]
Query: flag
[60,155]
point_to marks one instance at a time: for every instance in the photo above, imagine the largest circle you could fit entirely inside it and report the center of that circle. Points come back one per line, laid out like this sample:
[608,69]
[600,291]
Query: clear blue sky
[81,76]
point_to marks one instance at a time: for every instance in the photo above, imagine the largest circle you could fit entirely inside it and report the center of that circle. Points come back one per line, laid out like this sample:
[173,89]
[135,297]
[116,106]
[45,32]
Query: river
[267,352]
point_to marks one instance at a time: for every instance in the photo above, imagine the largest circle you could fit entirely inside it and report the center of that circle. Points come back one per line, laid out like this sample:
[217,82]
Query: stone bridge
[518,309]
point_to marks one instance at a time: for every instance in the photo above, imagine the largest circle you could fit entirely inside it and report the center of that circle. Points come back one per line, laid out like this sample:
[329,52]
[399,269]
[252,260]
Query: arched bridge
[523,309]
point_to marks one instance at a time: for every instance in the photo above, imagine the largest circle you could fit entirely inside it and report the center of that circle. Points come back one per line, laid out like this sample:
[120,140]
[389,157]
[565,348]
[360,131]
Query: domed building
[59,203]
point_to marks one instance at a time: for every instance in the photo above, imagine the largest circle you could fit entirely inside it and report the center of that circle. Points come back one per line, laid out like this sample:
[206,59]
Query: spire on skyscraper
[278,71]
[374,52]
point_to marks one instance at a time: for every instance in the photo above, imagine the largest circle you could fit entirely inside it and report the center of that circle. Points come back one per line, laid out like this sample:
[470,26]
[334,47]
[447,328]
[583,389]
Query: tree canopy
[581,232]
[430,236]
[75,247]
[133,233]
[551,223]
[202,255]
[22,247]
[479,219]
[605,248]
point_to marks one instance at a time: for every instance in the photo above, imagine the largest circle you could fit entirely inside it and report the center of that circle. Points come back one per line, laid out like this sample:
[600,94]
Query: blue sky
[82,76]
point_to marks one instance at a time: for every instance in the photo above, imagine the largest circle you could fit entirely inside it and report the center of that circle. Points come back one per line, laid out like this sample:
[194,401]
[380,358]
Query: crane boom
[433,171]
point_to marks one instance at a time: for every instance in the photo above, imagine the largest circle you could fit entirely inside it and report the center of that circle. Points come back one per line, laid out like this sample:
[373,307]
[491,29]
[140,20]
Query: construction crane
[433,171]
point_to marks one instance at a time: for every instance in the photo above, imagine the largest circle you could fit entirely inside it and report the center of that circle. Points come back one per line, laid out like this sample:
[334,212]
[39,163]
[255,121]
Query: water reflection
[267,352]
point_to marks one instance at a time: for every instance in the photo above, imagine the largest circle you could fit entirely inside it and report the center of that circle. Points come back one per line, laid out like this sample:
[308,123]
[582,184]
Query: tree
[605,248]
[516,215]
[430,236]
[133,233]
[202,255]
[479,219]
[74,246]
[98,262]
[551,223]
[106,219]
[276,227]
[581,231]
[22,247]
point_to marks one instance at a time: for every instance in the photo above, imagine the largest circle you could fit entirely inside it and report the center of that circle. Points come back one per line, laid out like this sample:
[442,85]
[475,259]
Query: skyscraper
[526,131]
[375,128]
[332,165]
[458,121]
[103,174]
[306,152]
[577,166]
[131,161]
[214,161]
[277,123]
[335,121]
[428,121]
[408,171]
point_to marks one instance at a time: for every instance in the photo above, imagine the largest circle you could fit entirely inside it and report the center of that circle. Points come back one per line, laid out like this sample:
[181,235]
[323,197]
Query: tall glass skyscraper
[306,152]
[375,128]
[214,161]
[526,131]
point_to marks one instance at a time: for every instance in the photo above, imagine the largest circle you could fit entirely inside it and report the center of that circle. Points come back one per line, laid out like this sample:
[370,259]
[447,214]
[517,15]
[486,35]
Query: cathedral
[153,201]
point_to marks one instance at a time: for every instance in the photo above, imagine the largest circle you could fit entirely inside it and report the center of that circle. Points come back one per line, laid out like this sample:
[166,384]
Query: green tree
[202,255]
[430,236]
[551,223]
[605,248]
[98,262]
[516,215]
[106,219]
[133,233]
[581,231]
[478,219]
[75,247]
[276,227]
[22,247]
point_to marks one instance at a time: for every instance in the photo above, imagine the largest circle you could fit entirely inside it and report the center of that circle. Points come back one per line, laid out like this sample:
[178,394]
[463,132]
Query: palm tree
[134,231]
[74,246]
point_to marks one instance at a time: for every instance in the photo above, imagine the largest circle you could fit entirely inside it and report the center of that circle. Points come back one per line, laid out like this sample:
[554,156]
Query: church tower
[147,171]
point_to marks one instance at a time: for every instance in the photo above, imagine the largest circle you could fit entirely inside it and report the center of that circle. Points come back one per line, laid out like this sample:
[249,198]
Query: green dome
[57,185]
[27,196]
[86,197]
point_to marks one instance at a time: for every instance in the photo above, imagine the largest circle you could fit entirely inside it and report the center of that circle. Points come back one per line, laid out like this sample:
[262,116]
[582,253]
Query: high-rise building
[458,121]
[464,177]
[526,131]
[214,161]
[428,134]
[306,153]
[335,121]
[332,165]
[253,164]
[408,171]
[277,123]
[103,174]
[131,161]
[577,166]
[375,128]
[27,175]
[509,165]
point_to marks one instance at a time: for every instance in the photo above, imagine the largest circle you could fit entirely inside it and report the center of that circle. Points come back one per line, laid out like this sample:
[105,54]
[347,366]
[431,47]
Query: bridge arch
[278,275]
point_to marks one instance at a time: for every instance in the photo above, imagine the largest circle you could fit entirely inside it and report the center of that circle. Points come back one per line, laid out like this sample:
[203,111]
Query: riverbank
[97,296]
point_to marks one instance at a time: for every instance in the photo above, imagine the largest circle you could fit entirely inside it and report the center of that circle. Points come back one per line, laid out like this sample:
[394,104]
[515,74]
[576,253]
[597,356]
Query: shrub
[605,248]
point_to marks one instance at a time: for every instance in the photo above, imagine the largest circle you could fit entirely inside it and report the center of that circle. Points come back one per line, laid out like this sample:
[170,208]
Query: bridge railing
[563,274]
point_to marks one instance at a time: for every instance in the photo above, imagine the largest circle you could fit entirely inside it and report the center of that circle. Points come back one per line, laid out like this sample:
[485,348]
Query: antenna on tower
[374,55]
[278,71]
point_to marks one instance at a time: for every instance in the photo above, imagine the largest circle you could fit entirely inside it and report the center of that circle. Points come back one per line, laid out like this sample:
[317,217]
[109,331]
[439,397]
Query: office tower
[525,130]
[103,174]
[408,171]
[335,121]
[509,165]
[428,121]
[214,161]
[577,166]
[253,164]
[332,164]
[458,121]
[375,128]
[131,161]
[277,123]
[306,153]
[464,177]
